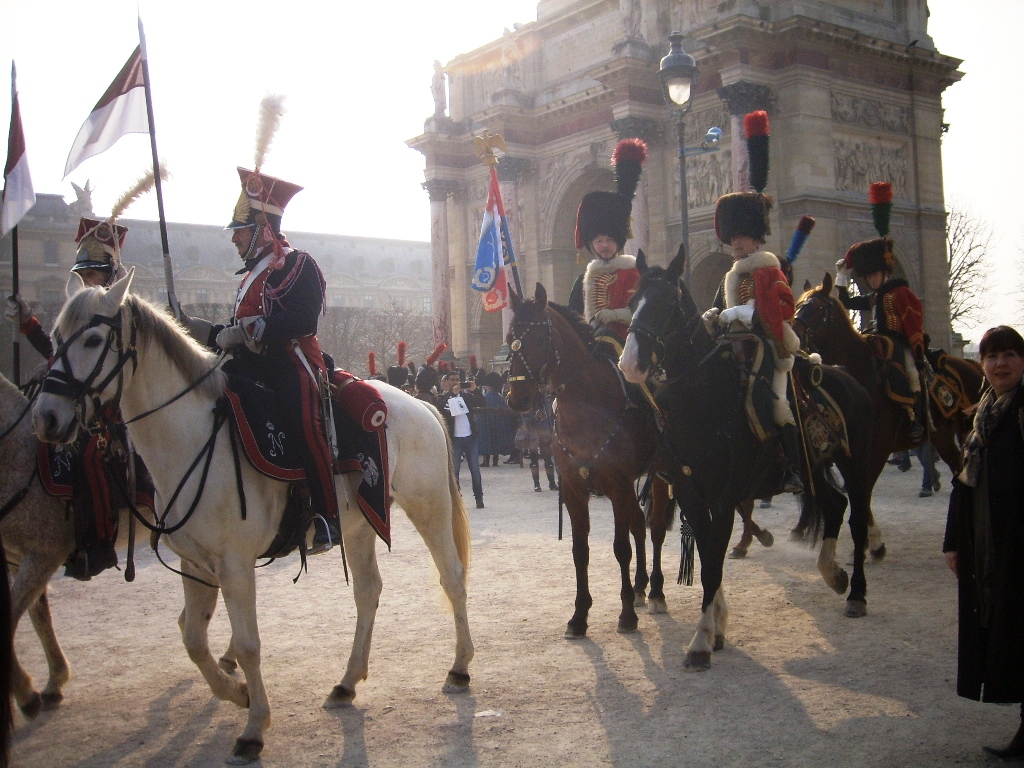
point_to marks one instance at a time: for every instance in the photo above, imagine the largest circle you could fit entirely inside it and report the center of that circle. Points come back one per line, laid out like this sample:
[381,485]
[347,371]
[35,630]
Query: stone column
[439,191]
[743,97]
[640,128]
[510,171]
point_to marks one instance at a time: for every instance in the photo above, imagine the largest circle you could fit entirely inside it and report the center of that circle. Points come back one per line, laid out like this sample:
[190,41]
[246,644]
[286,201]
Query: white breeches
[912,375]
[782,411]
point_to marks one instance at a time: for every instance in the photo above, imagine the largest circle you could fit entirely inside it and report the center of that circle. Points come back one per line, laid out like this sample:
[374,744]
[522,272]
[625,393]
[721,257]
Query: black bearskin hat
[607,213]
[746,213]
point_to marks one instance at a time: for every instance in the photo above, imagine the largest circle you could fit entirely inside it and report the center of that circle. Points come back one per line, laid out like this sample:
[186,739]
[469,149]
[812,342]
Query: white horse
[117,342]
[39,535]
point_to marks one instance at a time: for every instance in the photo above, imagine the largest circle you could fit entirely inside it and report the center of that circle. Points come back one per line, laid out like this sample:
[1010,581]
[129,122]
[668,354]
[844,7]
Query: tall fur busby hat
[263,197]
[607,213]
[398,374]
[746,213]
[876,254]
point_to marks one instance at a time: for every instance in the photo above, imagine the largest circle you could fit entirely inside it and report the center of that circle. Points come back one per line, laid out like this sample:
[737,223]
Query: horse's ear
[514,299]
[641,261]
[826,283]
[807,285]
[74,285]
[540,296]
[675,268]
[116,293]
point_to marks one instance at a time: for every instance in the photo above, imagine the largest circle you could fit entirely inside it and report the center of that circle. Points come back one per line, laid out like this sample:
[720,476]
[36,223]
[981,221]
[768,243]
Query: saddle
[946,388]
[360,417]
[890,370]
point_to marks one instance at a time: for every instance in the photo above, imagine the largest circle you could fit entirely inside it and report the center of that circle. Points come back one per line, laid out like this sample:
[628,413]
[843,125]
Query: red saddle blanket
[360,421]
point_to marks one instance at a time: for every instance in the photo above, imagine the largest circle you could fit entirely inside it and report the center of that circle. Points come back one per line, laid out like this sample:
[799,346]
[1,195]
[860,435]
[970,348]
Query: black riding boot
[790,440]
[917,425]
[552,485]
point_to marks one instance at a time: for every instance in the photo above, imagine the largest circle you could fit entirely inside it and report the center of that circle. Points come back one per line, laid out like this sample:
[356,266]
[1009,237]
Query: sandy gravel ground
[796,685]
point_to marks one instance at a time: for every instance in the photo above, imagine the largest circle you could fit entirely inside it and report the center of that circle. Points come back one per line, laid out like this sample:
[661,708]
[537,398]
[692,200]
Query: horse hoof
[766,538]
[51,701]
[856,608]
[246,751]
[639,600]
[226,664]
[457,682]
[878,555]
[737,553]
[574,633]
[340,697]
[719,643]
[31,708]
[697,661]
[657,605]
[797,535]
[842,582]
[628,625]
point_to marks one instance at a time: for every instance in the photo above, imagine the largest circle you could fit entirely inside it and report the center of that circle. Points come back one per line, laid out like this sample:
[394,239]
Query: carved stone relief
[869,113]
[708,177]
[859,162]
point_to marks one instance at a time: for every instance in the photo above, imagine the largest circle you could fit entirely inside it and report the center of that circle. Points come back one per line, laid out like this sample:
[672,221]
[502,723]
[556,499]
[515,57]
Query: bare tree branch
[968,242]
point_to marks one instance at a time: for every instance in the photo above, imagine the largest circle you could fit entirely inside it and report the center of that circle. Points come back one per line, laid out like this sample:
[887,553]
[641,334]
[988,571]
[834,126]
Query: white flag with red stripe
[19,196]
[121,110]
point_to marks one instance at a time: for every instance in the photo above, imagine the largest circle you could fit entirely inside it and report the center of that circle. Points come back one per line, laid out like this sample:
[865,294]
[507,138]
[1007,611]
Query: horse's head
[532,352]
[817,312]
[89,363]
[659,306]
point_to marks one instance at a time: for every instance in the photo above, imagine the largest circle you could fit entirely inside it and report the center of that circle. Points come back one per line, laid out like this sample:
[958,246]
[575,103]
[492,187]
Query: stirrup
[325,536]
[791,483]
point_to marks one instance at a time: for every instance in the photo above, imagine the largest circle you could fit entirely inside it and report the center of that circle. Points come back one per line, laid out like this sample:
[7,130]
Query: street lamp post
[678,73]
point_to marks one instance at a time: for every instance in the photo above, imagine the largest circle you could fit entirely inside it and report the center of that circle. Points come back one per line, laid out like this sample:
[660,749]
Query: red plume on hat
[434,356]
[402,347]
[472,362]
[876,254]
[371,362]
[880,197]
[757,130]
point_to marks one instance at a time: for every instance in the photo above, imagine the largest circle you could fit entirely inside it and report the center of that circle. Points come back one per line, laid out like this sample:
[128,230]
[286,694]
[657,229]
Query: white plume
[141,187]
[271,110]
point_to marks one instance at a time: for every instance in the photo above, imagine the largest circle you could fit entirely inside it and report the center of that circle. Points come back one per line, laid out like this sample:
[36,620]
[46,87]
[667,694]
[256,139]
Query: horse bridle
[801,313]
[539,377]
[659,340]
[64,383]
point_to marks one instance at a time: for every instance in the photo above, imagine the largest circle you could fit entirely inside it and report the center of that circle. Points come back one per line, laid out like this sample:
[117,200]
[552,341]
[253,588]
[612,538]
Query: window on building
[202,296]
[426,303]
[51,253]
[368,300]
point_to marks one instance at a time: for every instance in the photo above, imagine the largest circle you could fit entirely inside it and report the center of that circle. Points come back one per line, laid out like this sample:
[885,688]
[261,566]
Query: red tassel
[805,225]
[434,356]
[880,193]
[472,362]
[371,362]
[630,149]
[756,124]
[402,347]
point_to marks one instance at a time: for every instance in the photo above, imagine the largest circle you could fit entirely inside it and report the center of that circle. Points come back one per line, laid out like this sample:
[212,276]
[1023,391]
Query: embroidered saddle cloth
[360,417]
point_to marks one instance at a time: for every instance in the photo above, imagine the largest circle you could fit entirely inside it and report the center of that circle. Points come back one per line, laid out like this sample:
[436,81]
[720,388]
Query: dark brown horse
[598,444]
[824,326]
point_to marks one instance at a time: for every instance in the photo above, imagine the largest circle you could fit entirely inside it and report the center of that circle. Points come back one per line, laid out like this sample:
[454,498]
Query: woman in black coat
[985,537]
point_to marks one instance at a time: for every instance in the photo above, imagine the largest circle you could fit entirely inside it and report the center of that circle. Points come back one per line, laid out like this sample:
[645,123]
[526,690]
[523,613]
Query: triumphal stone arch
[853,89]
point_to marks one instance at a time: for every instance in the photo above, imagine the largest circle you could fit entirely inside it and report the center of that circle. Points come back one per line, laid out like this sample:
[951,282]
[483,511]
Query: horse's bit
[538,378]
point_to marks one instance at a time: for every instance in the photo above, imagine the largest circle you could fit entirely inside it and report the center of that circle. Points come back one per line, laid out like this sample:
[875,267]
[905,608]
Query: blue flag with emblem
[489,256]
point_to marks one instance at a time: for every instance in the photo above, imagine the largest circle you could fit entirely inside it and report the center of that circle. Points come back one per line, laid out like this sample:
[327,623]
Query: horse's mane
[843,312]
[576,321]
[154,327]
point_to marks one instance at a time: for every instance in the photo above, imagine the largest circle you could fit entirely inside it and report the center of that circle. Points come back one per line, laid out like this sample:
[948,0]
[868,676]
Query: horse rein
[801,314]
[537,378]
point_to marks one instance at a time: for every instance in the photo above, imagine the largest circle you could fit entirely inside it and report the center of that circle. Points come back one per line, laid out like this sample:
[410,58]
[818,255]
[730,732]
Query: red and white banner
[121,110]
[19,196]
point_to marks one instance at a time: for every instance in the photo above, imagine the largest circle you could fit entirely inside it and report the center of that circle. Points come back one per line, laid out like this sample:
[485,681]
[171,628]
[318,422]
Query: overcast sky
[357,78]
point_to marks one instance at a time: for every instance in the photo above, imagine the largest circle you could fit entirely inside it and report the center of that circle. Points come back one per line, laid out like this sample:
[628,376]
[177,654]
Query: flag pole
[172,298]
[16,336]
[486,145]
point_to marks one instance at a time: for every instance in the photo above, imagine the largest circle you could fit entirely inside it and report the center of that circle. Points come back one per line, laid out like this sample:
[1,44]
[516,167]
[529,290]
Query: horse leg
[641,580]
[360,550]
[712,531]
[660,510]
[28,593]
[577,503]
[59,669]
[628,519]
[229,661]
[441,541]
[746,510]
[200,603]
[238,585]
[860,509]
[721,619]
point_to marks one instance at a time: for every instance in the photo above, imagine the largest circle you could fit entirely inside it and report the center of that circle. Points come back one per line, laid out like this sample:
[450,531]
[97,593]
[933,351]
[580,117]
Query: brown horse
[598,444]
[824,326]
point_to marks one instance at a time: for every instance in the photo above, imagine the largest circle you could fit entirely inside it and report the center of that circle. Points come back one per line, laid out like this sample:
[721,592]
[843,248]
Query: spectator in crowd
[985,536]
[458,411]
[930,483]
[494,421]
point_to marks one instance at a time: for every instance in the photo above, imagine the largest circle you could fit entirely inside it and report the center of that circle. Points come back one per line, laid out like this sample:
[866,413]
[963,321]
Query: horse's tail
[6,657]
[460,520]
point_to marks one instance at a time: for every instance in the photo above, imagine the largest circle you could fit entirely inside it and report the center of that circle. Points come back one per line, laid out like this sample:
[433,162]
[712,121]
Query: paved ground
[796,685]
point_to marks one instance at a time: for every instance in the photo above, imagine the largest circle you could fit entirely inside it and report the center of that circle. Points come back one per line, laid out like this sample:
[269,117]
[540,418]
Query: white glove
[232,336]
[744,313]
[18,311]
[710,319]
[606,316]
[842,274]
